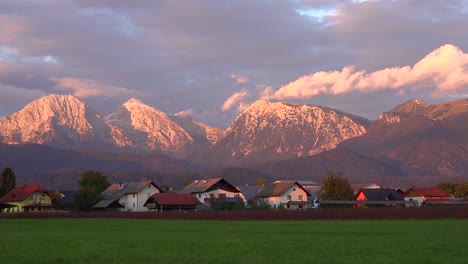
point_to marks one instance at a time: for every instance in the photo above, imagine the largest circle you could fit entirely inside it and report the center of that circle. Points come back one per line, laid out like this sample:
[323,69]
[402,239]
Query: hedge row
[441,212]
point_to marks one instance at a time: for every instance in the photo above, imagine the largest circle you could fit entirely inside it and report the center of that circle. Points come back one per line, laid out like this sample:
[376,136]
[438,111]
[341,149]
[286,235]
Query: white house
[289,195]
[208,188]
[132,196]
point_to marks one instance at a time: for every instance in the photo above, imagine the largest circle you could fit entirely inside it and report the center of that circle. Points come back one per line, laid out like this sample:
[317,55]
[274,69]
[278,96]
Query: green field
[175,241]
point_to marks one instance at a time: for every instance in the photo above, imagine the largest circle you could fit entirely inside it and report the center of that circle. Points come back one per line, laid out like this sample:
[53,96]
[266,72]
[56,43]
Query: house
[248,193]
[172,201]
[290,195]
[206,189]
[379,196]
[28,198]
[312,187]
[131,196]
[421,195]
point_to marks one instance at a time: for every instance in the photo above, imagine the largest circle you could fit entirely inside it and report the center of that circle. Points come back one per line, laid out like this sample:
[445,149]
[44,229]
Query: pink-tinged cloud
[235,99]
[83,88]
[443,71]
[239,79]
[10,28]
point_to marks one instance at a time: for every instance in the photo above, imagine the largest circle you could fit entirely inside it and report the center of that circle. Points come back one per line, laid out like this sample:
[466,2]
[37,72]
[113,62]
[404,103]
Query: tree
[447,186]
[335,187]
[461,191]
[260,182]
[91,184]
[7,181]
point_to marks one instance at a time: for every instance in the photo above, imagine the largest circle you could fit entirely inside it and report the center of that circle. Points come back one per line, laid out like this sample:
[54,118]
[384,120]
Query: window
[133,205]
[134,197]
[199,195]
[222,196]
[289,197]
[299,197]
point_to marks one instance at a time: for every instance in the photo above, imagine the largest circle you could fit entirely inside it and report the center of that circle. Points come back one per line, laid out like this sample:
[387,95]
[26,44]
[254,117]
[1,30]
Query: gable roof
[103,204]
[21,193]
[173,199]
[118,190]
[427,192]
[278,189]
[249,192]
[205,185]
[381,194]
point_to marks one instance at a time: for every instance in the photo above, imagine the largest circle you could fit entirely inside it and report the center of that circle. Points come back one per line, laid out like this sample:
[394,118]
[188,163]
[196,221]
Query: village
[219,194]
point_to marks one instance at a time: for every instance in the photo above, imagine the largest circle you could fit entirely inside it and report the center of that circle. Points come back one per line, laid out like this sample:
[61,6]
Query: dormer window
[13,195]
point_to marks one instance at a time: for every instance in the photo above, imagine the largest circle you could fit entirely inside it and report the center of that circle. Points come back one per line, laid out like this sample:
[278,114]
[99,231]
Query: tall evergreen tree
[7,181]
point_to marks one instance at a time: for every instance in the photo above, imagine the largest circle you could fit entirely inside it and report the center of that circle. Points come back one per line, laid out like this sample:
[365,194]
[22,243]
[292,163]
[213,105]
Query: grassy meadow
[196,241]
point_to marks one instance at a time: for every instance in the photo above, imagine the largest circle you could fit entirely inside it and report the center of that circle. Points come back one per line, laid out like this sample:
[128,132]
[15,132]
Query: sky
[212,58]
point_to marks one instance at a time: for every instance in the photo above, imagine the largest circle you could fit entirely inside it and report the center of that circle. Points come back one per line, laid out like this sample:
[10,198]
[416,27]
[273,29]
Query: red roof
[427,192]
[21,193]
[173,199]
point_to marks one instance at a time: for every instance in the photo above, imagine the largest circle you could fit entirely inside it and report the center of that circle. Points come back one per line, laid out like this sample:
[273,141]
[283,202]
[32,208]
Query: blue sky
[212,59]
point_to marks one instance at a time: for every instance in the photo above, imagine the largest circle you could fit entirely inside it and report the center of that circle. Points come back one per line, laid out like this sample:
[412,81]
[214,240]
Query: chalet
[206,189]
[172,202]
[422,195]
[28,198]
[290,195]
[131,196]
[381,197]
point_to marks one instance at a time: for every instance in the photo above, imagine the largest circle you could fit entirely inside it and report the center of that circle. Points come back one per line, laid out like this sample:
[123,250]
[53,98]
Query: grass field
[190,241]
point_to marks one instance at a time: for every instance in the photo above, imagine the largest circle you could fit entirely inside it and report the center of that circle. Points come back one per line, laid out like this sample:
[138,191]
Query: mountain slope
[56,120]
[273,131]
[423,139]
[144,128]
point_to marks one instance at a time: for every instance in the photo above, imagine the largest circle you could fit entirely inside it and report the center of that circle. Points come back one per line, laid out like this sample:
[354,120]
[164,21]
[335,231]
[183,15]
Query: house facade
[206,189]
[421,195]
[288,195]
[132,196]
[27,198]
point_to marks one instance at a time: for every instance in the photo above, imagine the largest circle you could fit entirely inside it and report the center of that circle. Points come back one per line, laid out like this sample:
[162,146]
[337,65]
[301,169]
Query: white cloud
[239,79]
[234,99]
[84,88]
[444,71]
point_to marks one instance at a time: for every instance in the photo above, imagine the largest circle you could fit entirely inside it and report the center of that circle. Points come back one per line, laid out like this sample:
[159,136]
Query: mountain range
[60,133]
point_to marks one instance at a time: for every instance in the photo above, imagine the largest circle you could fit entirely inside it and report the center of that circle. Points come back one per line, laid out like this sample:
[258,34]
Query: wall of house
[296,194]
[35,198]
[419,199]
[134,202]
[216,193]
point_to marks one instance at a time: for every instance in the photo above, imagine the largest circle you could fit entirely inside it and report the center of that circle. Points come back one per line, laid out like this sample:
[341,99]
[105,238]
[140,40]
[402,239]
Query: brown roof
[278,189]
[173,199]
[21,193]
[427,192]
[206,185]
[117,190]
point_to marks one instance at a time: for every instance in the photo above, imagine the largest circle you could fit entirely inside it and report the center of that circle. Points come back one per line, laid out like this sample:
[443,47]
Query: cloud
[234,99]
[83,88]
[444,71]
[240,79]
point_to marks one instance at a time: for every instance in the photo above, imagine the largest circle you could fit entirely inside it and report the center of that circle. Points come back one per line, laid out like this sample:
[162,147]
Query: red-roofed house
[290,195]
[422,195]
[172,201]
[27,198]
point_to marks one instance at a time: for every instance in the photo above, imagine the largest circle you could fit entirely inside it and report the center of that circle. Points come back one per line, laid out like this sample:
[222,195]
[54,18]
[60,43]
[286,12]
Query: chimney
[120,186]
